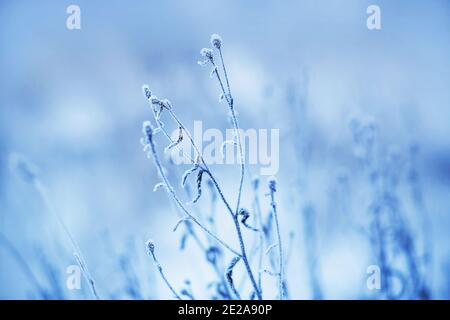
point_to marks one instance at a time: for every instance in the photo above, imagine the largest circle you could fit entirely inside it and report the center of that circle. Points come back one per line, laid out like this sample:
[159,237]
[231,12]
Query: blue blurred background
[71,104]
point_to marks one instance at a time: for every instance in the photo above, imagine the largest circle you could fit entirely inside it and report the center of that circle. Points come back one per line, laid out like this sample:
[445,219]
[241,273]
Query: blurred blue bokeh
[71,103]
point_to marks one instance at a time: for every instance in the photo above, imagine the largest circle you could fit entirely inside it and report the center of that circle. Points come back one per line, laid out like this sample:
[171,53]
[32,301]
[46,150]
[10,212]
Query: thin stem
[158,121]
[171,191]
[238,136]
[261,236]
[229,277]
[259,247]
[280,249]
[189,228]
[243,254]
[216,71]
[254,250]
[206,168]
[216,185]
[229,100]
[215,264]
[244,257]
[163,276]
[224,71]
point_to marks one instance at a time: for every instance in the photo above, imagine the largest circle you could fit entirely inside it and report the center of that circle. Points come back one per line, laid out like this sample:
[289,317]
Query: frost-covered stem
[229,100]
[251,255]
[219,190]
[261,238]
[202,247]
[260,260]
[229,277]
[244,257]
[168,135]
[206,168]
[42,191]
[280,248]
[163,276]
[219,79]
[189,228]
[212,215]
[171,192]
[243,253]
[310,240]
[241,154]
[259,247]
[188,134]
[224,71]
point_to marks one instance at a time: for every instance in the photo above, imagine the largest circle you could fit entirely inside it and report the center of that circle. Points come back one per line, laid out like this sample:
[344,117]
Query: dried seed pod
[187,173]
[245,215]
[176,142]
[229,275]
[199,186]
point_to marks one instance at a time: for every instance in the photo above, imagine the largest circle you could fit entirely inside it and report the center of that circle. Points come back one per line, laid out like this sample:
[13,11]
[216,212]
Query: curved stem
[207,170]
[224,71]
[163,276]
[244,257]
[229,100]
[171,191]
[241,154]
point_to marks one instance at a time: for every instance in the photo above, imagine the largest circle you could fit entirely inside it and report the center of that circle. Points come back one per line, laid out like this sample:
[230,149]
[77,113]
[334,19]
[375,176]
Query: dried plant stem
[234,215]
[163,276]
[224,70]
[205,167]
[245,259]
[229,277]
[280,248]
[201,165]
[229,100]
[203,248]
[235,123]
[243,254]
[257,209]
[171,191]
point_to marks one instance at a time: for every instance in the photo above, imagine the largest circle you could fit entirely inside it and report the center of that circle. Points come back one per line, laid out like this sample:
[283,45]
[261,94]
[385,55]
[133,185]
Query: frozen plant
[202,171]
